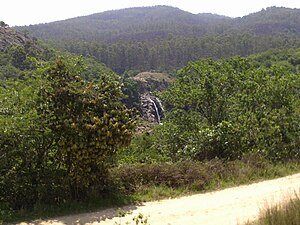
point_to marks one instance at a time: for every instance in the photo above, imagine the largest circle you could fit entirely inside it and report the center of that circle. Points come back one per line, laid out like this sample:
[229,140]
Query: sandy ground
[230,206]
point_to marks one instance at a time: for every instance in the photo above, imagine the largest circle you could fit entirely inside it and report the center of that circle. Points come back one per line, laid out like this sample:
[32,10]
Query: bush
[192,175]
[131,178]
[230,107]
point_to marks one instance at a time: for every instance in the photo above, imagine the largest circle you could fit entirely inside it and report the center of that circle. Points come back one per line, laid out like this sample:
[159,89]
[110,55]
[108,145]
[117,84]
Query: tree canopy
[59,134]
[230,107]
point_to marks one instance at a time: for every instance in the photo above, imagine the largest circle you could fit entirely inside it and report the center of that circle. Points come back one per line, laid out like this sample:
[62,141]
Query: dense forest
[72,128]
[166,38]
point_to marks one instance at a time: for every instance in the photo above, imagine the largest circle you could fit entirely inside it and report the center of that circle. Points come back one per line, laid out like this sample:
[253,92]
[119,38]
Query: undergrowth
[191,176]
[132,184]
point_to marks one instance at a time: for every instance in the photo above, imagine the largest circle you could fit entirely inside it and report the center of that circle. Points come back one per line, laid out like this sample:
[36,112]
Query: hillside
[10,37]
[166,38]
[272,21]
[21,54]
[133,24]
[18,53]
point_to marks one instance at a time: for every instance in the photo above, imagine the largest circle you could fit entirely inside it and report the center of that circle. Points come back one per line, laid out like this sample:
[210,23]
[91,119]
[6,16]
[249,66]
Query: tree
[88,121]
[226,108]
[27,174]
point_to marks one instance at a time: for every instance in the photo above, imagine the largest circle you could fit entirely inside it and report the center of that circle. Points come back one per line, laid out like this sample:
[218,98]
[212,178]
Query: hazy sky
[26,12]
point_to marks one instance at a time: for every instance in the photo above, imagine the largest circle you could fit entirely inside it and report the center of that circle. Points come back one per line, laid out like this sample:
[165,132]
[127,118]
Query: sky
[26,12]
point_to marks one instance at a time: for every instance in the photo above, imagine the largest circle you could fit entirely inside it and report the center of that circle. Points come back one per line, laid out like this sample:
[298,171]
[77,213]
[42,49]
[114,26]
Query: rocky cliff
[9,37]
[148,84]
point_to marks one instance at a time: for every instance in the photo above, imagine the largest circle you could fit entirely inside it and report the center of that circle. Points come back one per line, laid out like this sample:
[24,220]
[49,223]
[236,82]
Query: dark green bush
[230,107]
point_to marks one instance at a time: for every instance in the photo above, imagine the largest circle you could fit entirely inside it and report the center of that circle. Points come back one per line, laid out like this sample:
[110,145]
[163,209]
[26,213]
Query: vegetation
[53,130]
[281,214]
[224,109]
[165,38]
[88,122]
[66,135]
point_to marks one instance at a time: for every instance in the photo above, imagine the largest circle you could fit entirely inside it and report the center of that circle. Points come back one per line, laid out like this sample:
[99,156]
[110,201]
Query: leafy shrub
[230,107]
[192,175]
[131,178]
[58,136]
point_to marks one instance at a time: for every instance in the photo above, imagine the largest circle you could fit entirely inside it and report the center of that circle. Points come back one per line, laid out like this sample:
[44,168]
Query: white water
[156,109]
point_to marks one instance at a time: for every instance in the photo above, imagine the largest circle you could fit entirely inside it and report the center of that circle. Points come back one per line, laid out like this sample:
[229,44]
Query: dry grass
[286,214]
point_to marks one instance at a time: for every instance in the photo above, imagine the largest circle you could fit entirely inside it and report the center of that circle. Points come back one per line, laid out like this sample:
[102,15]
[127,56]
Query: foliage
[189,176]
[20,59]
[3,24]
[166,38]
[132,96]
[88,123]
[41,120]
[229,107]
[220,174]
[289,58]
[138,219]
[26,176]
[142,149]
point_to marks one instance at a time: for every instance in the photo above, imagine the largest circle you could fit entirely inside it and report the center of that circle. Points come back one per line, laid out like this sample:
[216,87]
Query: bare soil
[227,207]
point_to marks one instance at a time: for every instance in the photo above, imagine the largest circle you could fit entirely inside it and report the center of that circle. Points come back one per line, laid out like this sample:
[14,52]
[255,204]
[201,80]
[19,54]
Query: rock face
[152,108]
[9,37]
[150,82]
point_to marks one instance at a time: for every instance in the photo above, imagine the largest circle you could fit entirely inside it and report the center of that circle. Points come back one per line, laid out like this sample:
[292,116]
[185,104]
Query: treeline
[20,55]
[173,53]
[225,109]
[166,38]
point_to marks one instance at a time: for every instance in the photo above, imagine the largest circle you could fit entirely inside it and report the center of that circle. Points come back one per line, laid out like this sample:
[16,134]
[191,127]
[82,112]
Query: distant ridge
[164,37]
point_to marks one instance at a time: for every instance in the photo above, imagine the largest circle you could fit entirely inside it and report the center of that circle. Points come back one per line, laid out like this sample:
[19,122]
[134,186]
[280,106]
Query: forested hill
[164,38]
[21,56]
[133,24]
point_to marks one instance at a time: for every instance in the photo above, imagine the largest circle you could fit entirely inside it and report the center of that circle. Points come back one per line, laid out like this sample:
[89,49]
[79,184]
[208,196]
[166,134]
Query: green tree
[229,107]
[88,121]
[18,57]
[27,175]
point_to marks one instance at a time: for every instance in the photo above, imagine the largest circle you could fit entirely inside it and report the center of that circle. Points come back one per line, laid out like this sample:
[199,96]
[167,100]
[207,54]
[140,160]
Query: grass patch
[287,214]
[194,177]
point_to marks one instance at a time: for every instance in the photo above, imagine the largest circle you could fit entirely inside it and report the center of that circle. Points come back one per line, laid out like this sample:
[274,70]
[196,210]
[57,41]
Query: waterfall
[160,105]
[152,108]
[156,110]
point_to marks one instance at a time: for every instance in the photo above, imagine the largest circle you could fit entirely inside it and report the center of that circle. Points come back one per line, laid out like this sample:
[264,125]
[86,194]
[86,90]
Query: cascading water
[156,110]
[160,106]
[152,108]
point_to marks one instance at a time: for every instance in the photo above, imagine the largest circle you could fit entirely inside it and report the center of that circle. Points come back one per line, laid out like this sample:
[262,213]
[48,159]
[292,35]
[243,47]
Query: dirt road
[227,207]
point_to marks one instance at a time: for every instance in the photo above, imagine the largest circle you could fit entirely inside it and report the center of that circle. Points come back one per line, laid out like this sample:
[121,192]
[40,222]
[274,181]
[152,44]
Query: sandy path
[230,206]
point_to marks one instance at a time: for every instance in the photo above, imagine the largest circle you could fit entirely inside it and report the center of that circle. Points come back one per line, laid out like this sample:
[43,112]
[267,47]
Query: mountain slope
[9,37]
[20,55]
[131,24]
[166,38]
[272,21]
